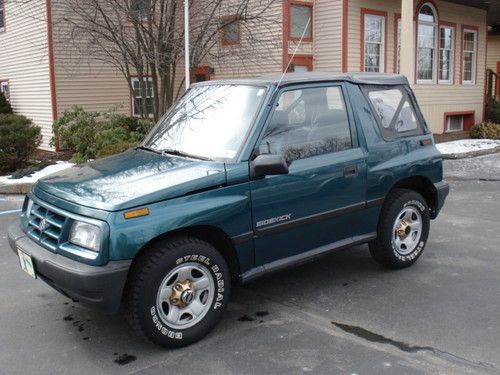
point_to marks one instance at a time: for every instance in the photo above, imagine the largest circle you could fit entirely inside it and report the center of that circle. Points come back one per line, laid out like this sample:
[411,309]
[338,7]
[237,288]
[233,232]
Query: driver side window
[306,123]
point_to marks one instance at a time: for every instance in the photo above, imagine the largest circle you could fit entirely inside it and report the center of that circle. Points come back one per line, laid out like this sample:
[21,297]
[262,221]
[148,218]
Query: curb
[472,153]
[23,188]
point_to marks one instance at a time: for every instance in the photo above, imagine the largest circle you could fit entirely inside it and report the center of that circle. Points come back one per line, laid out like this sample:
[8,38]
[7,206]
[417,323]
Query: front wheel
[402,230]
[178,291]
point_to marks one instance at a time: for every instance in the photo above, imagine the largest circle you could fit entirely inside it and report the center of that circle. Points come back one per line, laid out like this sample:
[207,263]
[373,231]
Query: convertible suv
[239,179]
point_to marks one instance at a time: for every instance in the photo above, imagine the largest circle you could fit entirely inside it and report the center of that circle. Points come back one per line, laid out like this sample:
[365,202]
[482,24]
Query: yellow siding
[493,52]
[434,99]
[80,78]
[328,35]
[24,62]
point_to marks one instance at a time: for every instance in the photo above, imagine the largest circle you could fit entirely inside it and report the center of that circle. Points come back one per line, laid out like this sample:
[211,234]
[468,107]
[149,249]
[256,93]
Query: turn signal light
[136,213]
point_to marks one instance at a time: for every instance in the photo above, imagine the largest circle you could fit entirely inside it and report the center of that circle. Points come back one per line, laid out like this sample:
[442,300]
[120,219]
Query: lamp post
[186,43]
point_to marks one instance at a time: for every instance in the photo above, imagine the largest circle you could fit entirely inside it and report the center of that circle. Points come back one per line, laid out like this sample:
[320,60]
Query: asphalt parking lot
[342,314]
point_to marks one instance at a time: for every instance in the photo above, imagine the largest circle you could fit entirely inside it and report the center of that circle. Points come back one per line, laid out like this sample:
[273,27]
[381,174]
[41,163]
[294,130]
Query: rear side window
[394,110]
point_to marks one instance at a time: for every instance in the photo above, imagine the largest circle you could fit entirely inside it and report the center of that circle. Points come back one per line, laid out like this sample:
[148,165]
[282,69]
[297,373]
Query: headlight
[29,207]
[85,235]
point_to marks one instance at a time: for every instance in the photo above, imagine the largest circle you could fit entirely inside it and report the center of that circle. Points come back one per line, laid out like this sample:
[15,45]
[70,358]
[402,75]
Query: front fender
[227,208]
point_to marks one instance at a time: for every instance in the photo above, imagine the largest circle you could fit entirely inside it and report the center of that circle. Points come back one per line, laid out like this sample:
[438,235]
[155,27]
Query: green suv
[239,179]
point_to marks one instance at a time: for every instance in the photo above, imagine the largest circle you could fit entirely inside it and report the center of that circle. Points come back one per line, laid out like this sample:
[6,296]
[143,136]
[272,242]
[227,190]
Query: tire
[177,291]
[399,244]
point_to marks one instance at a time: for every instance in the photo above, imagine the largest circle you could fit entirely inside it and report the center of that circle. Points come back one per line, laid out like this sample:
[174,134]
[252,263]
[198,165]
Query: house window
[2,15]
[426,43]
[301,64]
[300,22]
[230,31]
[138,98]
[446,43]
[455,123]
[469,56]
[4,88]
[140,10]
[374,49]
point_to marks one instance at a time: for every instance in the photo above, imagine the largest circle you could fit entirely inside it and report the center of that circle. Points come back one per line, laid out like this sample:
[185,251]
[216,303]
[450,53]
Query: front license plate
[26,263]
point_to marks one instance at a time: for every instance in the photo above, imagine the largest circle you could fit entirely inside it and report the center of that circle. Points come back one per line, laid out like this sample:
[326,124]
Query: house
[443,47]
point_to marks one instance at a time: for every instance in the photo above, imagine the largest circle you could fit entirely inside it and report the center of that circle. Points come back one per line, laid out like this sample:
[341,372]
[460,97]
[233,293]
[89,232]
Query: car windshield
[208,122]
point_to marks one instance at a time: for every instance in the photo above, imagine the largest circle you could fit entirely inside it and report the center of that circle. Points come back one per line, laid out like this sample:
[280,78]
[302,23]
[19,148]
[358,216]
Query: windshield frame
[251,127]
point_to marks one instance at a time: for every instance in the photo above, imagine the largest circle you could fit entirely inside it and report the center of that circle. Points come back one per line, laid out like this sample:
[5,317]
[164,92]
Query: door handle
[350,171]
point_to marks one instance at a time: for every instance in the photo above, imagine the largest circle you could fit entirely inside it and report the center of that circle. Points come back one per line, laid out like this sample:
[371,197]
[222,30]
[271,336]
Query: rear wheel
[402,230]
[178,291]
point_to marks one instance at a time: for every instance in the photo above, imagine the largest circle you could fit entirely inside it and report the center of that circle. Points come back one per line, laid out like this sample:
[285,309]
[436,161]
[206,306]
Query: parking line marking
[9,212]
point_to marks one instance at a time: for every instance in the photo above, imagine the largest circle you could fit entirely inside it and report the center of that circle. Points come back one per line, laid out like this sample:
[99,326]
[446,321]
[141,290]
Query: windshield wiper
[144,148]
[184,154]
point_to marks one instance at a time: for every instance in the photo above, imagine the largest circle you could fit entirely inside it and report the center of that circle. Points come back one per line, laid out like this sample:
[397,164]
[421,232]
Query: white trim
[472,81]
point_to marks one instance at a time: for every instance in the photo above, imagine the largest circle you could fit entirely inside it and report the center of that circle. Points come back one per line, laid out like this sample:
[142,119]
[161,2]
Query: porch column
[407,40]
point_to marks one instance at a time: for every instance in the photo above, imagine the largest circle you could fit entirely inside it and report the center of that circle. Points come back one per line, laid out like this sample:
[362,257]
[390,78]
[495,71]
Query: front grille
[45,226]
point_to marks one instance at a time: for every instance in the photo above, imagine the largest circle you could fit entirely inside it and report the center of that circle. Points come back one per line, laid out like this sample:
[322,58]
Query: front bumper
[442,190]
[98,287]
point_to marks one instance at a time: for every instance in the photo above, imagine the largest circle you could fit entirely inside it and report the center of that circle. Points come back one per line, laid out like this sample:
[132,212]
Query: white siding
[24,63]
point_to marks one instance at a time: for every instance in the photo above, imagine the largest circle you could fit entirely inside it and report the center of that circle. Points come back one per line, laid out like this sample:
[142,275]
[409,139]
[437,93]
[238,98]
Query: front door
[320,201]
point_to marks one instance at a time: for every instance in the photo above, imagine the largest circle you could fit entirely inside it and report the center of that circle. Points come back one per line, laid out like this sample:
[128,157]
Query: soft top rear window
[395,111]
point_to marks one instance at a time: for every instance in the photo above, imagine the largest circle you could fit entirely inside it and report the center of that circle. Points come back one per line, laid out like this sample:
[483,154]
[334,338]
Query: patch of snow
[467,145]
[59,166]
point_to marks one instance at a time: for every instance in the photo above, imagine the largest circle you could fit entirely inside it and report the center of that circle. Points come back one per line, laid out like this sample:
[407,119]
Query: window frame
[435,25]
[293,87]
[2,17]
[475,31]
[225,22]
[452,26]
[383,51]
[133,97]
[291,4]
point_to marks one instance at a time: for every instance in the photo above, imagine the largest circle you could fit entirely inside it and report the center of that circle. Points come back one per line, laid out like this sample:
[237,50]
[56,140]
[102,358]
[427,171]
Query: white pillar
[407,40]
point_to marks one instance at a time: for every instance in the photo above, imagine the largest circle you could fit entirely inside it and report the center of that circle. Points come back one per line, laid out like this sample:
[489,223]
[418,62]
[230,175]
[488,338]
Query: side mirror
[267,165]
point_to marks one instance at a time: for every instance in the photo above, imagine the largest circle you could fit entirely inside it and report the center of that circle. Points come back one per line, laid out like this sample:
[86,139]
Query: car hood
[132,179]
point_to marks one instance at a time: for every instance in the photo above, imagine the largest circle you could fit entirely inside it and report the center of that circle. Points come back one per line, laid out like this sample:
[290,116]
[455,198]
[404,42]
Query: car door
[320,201]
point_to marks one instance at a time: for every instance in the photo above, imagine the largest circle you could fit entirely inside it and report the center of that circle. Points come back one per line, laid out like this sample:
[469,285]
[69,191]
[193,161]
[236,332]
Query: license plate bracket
[26,263]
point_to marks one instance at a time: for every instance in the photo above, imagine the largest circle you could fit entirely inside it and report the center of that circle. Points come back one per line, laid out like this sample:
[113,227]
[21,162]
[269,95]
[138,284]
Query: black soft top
[309,77]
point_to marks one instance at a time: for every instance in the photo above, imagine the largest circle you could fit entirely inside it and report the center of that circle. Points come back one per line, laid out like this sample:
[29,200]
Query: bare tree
[144,39]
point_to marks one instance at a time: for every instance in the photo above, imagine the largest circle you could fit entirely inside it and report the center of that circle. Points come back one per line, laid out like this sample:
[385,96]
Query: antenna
[295,51]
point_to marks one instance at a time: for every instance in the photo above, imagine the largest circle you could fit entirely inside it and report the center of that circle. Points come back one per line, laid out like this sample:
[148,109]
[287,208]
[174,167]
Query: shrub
[494,112]
[5,107]
[487,130]
[19,139]
[90,135]
[115,149]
